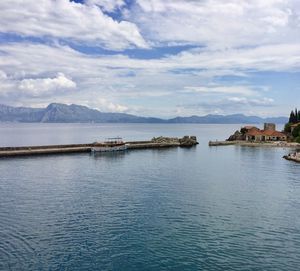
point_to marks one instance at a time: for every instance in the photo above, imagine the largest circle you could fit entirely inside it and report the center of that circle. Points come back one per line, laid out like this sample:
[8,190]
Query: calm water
[225,208]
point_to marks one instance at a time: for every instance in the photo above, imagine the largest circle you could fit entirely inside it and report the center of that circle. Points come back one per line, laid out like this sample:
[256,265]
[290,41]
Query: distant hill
[62,113]
[228,119]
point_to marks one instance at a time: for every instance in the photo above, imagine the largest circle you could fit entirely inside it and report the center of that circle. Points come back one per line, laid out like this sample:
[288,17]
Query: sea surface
[204,208]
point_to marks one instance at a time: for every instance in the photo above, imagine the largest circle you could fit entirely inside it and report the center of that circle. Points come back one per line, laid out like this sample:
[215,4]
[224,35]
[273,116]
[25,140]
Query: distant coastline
[62,113]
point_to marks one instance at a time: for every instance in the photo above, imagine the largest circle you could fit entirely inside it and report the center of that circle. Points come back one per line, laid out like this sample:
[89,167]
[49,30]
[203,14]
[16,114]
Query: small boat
[110,145]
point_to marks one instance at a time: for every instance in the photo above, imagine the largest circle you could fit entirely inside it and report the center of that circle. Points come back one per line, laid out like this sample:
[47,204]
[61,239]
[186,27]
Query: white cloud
[3,75]
[42,86]
[218,23]
[232,39]
[107,5]
[107,106]
[252,102]
[63,19]
[6,84]
[103,76]
[103,104]
[242,90]
[231,105]
[43,58]
[279,57]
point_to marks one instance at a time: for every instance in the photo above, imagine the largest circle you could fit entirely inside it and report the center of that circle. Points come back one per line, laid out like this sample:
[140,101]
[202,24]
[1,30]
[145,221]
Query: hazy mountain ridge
[227,119]
[62,113]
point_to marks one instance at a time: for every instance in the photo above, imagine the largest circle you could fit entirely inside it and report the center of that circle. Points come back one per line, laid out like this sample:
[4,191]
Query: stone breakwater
[158,142]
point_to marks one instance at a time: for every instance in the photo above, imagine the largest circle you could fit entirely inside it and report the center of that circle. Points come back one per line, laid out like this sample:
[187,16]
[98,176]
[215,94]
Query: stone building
[269,127]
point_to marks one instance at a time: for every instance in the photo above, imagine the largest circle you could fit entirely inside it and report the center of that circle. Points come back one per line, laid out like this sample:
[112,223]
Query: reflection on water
[108,155]
[226,208]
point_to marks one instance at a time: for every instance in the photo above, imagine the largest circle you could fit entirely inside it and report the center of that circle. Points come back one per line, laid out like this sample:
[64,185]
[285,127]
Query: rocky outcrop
[236,136]
[295,156]
[186,141]
[165,140]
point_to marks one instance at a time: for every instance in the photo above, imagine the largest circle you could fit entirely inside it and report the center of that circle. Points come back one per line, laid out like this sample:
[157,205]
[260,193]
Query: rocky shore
[280,144]
[295,156]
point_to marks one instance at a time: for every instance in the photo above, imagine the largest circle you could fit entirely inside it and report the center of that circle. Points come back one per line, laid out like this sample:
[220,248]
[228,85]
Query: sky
[161,58]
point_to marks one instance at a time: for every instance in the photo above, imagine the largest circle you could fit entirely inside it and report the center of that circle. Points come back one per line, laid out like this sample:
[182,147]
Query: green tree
[287,128]
[292,117]
[243,130]
[296,131]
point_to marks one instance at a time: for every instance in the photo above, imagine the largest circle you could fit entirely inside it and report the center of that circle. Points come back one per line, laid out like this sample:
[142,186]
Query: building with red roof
[269,134]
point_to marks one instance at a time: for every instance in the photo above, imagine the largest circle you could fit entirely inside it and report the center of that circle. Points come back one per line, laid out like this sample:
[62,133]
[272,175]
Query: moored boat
[110,145]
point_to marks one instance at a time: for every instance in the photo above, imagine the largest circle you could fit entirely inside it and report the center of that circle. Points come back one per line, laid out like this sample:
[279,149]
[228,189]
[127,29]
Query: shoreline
[277,144]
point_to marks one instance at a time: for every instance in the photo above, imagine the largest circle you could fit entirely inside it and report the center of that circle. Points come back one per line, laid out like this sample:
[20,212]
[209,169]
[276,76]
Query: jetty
[155,143]
[221,143]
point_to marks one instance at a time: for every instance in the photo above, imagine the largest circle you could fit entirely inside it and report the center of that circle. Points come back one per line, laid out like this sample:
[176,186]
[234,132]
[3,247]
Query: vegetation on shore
[293,126]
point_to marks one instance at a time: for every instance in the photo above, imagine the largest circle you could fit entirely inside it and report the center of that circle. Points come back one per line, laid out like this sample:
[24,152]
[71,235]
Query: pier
[155,143]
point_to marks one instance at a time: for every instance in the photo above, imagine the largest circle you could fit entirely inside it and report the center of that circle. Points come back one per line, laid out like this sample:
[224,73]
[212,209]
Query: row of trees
[294,116]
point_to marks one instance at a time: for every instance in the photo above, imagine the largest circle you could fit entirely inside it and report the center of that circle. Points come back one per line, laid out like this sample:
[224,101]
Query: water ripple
[201,209]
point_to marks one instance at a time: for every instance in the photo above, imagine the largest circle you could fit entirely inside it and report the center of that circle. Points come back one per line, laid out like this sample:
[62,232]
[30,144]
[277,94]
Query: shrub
[287,128]
[296,131]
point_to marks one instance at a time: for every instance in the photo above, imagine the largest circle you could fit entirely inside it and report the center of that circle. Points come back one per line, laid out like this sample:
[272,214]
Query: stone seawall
[163,142]
[151,145]
[40,150]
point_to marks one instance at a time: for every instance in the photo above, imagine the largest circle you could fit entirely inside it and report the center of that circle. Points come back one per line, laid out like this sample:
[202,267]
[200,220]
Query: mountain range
[62,113]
